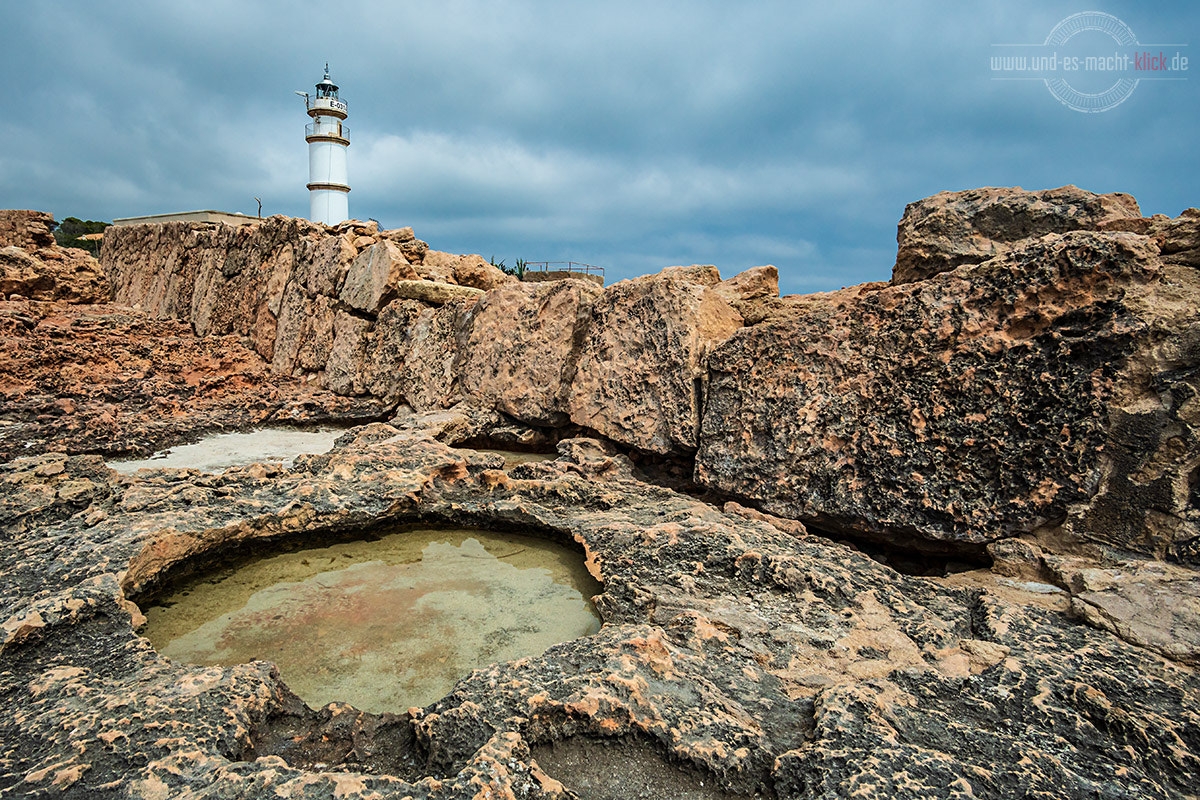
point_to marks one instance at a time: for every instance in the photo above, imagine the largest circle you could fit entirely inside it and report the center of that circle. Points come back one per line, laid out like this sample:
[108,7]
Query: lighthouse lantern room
[328,138]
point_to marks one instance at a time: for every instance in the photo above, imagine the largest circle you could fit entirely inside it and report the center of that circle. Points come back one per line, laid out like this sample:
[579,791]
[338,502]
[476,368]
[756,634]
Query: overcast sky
[631,135]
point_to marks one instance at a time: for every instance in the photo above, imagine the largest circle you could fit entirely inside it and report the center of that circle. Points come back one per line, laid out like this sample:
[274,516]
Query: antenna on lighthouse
[328,140]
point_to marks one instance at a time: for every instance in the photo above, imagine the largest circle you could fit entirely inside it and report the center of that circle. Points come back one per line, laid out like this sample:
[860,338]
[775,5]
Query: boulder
[387,348]
[1181,238]
[474,271]
[949,229]
[438,266]
[1049,386]
[345,370]
[413,248]
[371,280]
[323,264]
[641,373]
[430,379]
[524,345]
[753,293]
[22,274]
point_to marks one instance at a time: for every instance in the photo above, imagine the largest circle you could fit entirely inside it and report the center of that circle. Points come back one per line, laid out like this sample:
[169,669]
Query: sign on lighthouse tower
[328,140]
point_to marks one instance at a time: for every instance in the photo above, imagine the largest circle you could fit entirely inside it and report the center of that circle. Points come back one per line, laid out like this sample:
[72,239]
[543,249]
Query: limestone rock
[323,267]
[1181,238]
[34,267]
[1147,603]
[524,344]
[29,230]
[702,274]
[22,274]
[432,378]
[767,663]
[314,333]
[106,379]
[474,271]
[753,293]
[641,373]
[438,266]
[436,293]
[345,370]
[949,229]
[371,280]
[414,249]
[974,405]
[387,349]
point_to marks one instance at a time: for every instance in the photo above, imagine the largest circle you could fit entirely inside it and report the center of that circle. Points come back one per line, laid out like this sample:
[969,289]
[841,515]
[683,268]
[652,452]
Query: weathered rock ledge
[735,659]
[1030,370]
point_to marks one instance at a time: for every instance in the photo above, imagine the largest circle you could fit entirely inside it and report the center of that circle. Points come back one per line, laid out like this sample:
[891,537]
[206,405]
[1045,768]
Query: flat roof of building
[189,216]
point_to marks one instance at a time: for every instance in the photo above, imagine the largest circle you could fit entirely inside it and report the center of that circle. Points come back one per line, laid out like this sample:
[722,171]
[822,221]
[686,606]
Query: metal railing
[564,266]
[340,132]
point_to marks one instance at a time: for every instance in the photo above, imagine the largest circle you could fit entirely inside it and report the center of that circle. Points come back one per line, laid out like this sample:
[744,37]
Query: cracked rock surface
[736,659]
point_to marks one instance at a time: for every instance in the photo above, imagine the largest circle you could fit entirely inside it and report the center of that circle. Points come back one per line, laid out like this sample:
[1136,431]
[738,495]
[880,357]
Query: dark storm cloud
[633,135]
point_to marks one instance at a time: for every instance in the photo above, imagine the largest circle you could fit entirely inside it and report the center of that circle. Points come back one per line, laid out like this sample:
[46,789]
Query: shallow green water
[385,624]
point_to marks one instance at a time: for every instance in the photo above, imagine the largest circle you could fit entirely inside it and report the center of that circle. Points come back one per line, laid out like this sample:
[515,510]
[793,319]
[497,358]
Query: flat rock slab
[733,654]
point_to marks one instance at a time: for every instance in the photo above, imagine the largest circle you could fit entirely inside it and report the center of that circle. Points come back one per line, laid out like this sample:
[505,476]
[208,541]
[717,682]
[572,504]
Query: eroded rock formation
[951,229]
[107,379]
[1053,384]
[1024,393]
[766,662]
[34,267]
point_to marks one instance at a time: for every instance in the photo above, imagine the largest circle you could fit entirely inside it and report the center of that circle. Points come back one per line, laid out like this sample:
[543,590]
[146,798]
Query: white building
[328,140]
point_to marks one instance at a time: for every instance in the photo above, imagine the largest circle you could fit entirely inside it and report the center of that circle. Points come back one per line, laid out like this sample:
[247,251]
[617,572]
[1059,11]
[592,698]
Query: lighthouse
[328,139]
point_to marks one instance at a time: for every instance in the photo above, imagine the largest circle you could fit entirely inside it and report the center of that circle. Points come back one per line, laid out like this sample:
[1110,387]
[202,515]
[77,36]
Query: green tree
[70,229]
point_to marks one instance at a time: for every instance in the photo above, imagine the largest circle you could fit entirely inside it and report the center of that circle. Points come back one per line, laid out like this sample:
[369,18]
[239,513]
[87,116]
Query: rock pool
[384,624]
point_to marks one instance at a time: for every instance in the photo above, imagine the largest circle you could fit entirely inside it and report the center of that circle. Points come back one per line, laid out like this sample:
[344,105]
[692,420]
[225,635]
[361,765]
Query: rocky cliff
[1030,369]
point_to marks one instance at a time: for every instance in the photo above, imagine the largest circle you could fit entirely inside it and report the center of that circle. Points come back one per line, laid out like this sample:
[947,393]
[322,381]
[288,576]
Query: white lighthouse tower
[328,139]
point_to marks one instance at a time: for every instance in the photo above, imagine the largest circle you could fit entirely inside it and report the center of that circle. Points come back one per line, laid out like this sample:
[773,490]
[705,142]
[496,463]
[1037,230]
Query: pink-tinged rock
[412,353]
[430,379]
[316,334]
[979,403]
[473,271]
[949,229]
[702,274]
[438,266]
[753,293]
[641,375]
[29,230]
[322,267]
[370,282]
[345,367]
[153,267]
[305,334]
[388,346]
[524,344]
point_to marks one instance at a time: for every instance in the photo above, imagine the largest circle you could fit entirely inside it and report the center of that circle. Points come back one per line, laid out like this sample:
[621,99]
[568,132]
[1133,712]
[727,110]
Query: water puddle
[514,457]
[220,451]
[386,624]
